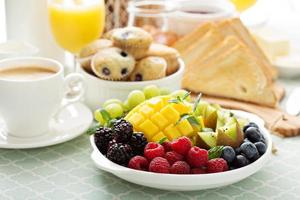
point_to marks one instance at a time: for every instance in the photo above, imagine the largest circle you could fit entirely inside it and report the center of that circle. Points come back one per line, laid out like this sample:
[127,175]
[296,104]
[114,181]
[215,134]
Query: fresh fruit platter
[162,140]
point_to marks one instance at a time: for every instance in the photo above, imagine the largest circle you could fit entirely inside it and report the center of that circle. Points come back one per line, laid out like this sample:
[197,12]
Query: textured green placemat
[66,171]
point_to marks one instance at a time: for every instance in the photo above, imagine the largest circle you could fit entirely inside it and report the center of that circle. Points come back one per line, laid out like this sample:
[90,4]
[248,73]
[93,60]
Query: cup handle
[74,89]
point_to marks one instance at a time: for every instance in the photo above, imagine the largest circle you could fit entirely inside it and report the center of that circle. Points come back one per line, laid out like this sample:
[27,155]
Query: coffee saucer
[71,122]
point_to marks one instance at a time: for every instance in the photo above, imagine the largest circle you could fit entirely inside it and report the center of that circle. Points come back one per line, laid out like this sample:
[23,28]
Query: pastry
[235,74]
[149,68]
[108,34]
[171,56]
[135,41]
[112,64]
[87,52]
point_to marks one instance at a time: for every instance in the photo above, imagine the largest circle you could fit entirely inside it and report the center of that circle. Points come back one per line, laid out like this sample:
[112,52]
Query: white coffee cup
[28,105]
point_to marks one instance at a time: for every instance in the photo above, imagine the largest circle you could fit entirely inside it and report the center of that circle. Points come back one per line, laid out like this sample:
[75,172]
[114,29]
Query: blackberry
[120,153]
[122,130]
[138,143]
[102,137]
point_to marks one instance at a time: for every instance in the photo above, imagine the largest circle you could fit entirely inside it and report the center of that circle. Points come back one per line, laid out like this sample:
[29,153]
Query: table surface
[66,171]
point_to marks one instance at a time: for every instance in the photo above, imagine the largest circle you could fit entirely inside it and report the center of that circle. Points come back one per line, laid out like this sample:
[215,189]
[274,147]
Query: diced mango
[156,103]
[181,108]
[136,119]
[147,110]
[159,120]
[170,113]
[157,137]
[172,133]
[185,128]
[148,128]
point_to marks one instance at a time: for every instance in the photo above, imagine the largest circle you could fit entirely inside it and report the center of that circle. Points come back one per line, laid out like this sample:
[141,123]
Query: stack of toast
[222,59]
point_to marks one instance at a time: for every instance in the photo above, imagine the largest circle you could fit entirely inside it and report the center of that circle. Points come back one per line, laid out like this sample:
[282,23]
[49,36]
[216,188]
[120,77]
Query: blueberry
[241,161]
[255,157]
[261,147]
[138,77]
[246,140]
[251,124]
[249,149]
[228,154]
[237,151]
[106,71]
[253,134]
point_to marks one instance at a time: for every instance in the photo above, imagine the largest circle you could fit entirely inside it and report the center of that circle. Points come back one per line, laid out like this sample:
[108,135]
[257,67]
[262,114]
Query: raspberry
[197,157]
[139,163]
[172,157]
[180,167]
[217,165]
[167,146]
[153,150]
[182,145]
[198,171]
[159,165]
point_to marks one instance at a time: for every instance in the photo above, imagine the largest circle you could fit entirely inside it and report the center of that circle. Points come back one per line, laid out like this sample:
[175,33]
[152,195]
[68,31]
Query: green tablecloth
[66,171]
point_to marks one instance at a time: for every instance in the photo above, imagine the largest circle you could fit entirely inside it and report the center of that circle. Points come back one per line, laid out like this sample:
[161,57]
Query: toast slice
[183,43]
[228,43]
[233,74]
[236,28]
[202,46]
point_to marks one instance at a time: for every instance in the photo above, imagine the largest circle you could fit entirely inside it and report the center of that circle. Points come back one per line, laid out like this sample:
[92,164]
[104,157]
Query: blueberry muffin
[135,41]
[108,34]
[170,54]
[112,64]
[149,68]
[86,54]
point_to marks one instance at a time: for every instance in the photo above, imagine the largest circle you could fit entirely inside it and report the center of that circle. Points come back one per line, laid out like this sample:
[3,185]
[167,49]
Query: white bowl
[183,22]
[186,182]
[98,90]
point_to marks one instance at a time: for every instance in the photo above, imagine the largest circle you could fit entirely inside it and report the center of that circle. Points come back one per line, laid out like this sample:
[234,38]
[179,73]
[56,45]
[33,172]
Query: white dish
[71,122]
[186,182]
[98,90]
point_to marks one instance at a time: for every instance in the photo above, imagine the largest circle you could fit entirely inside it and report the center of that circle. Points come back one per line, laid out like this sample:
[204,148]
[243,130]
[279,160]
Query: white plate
[74,120]
[186,182]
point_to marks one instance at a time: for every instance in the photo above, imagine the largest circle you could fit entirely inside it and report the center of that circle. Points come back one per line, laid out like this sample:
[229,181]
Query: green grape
[164,91]
[110,101]
[135,98]
[151,91]
[126,106]
[115,110]
[98,117]
[180,93]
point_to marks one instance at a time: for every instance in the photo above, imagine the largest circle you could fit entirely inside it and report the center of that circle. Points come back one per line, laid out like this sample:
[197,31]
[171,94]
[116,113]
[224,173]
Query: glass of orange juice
[242,5]
[75,23]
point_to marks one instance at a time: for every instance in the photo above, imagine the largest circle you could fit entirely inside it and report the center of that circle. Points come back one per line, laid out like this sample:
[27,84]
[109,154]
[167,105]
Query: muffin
[149,68]
[171,56]
[112,64]
[135,41]
[86,54]
[108,34]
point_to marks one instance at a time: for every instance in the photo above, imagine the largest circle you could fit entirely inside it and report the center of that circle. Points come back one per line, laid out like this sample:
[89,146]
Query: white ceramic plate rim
[103,163]
[46,142]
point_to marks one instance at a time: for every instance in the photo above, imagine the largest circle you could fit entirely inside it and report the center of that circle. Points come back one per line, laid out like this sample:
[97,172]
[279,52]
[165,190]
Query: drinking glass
[75,23]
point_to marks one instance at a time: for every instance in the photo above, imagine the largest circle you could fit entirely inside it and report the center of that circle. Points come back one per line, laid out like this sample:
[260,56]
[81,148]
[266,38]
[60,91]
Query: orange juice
[242,5]
[75,23]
